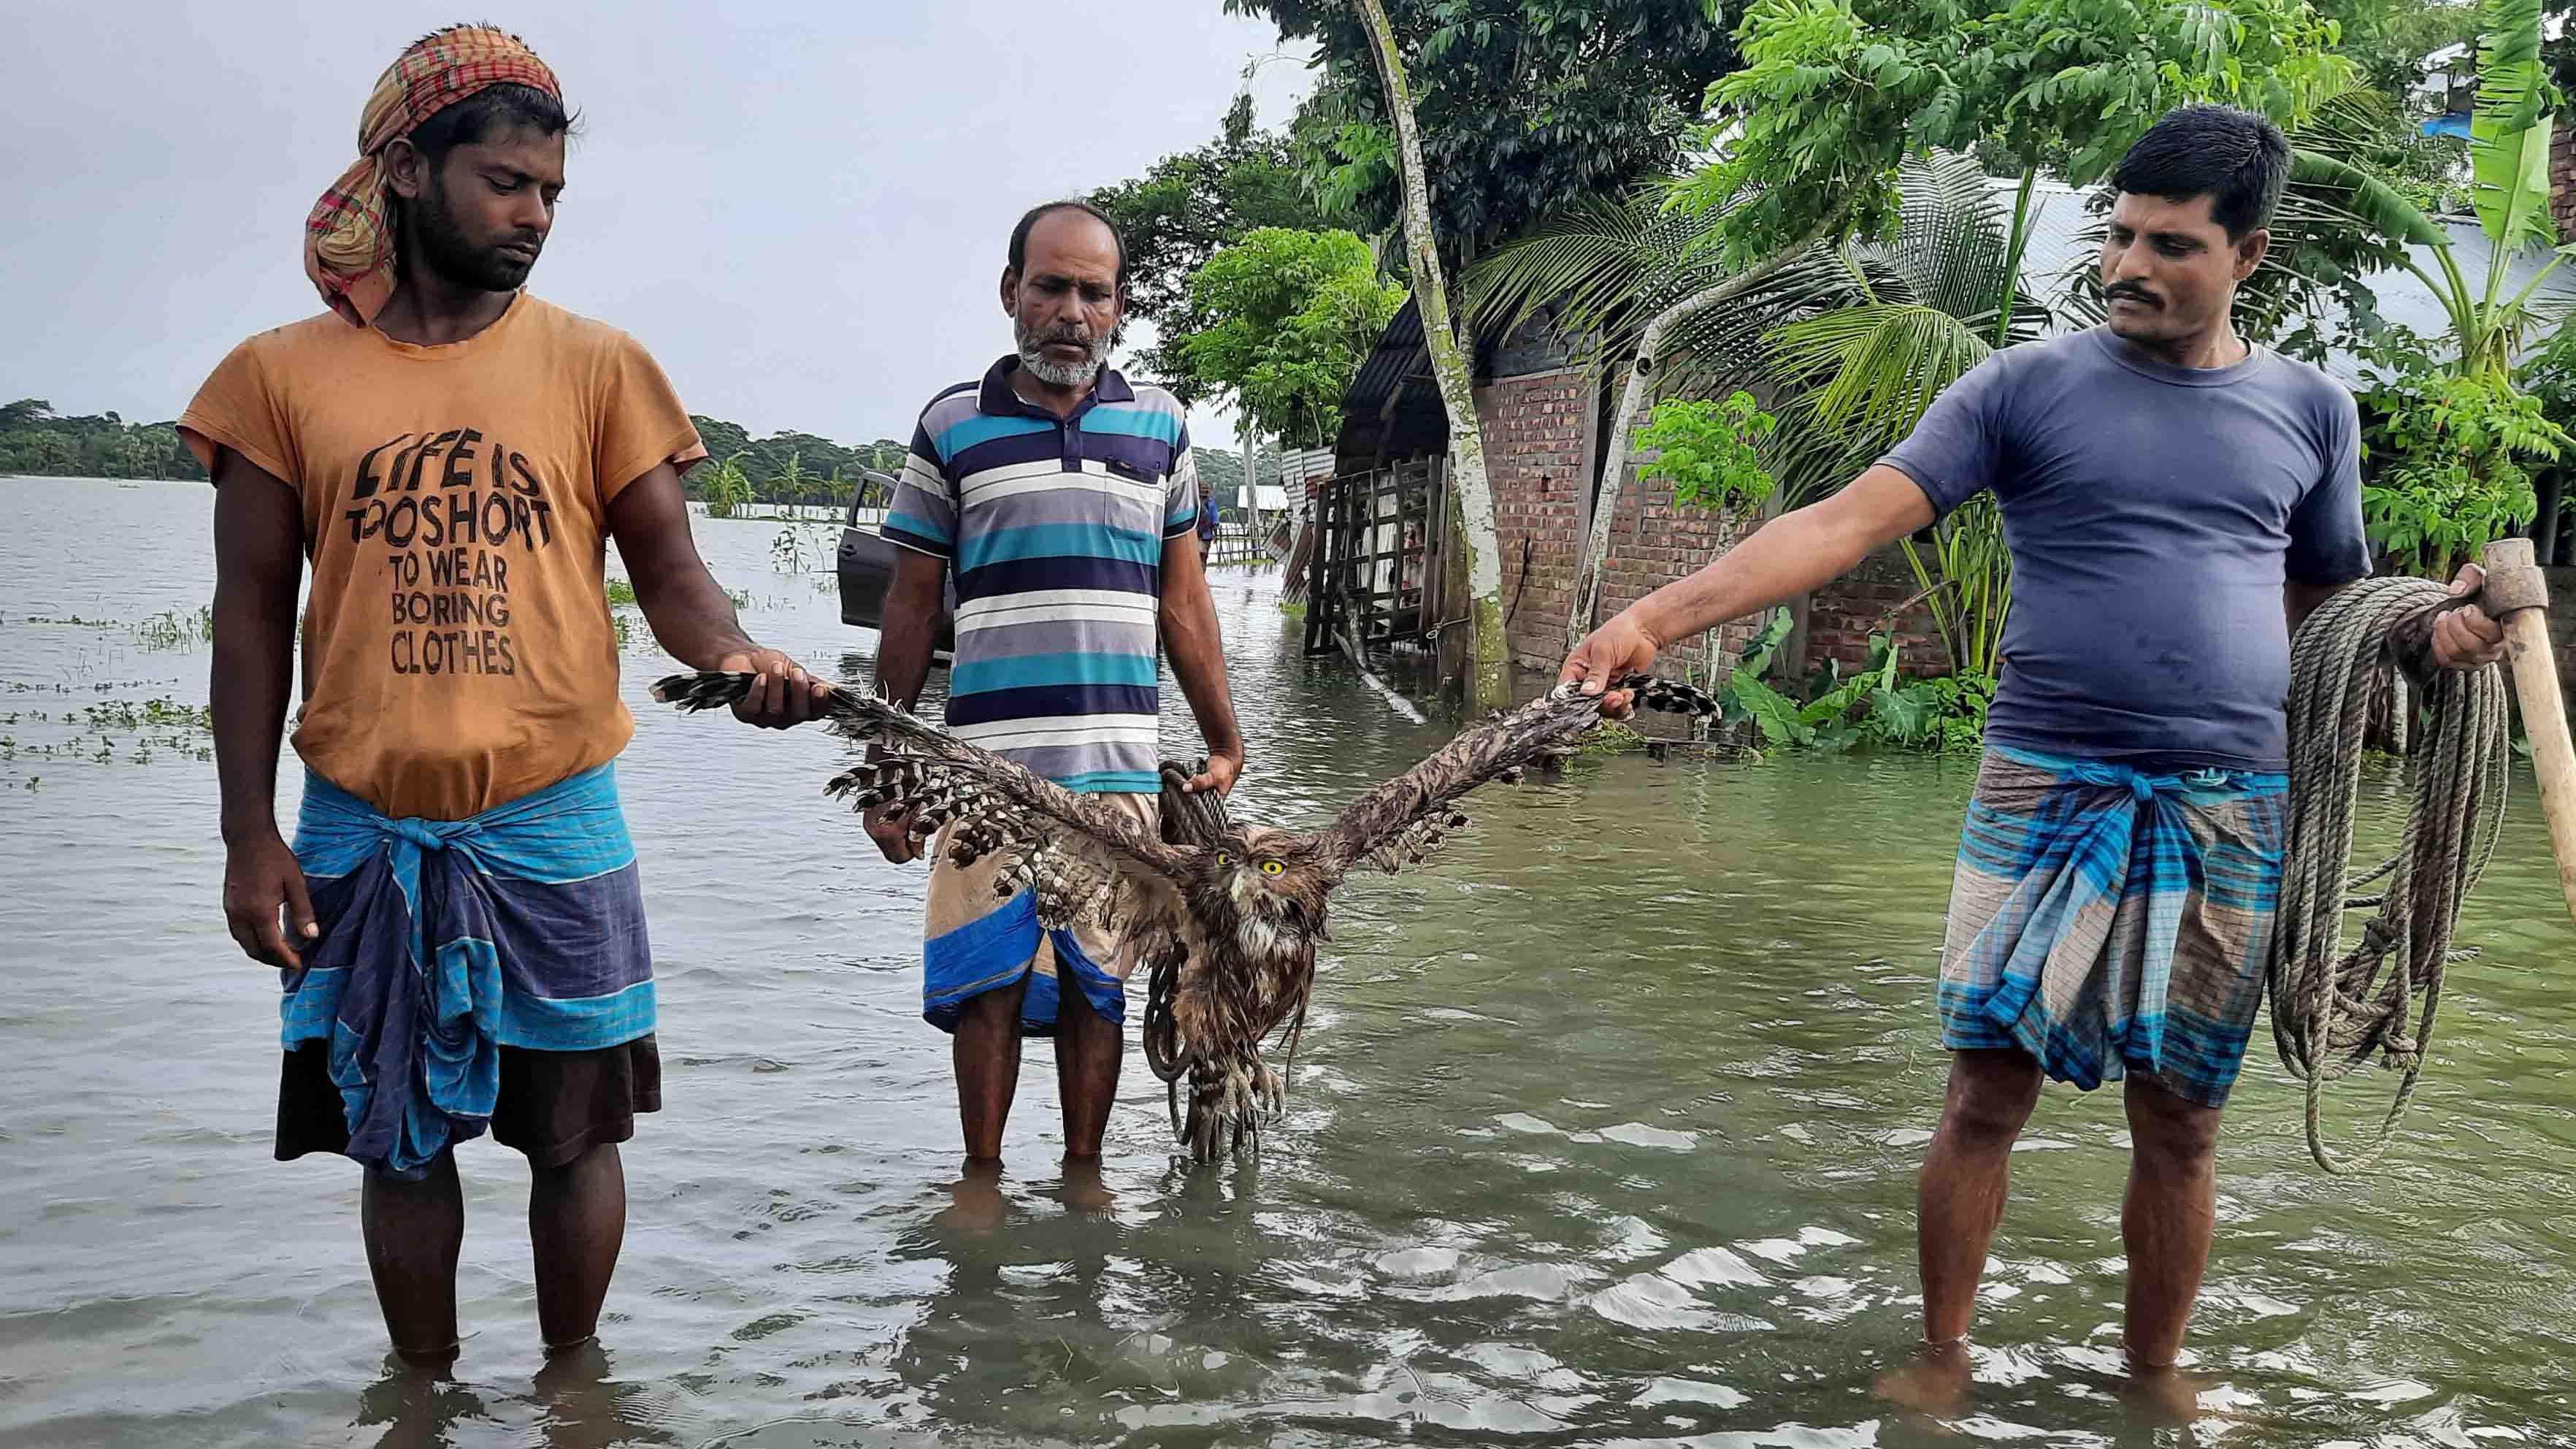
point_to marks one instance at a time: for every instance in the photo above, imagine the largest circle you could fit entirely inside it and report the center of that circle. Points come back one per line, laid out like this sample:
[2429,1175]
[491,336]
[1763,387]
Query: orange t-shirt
[458,650]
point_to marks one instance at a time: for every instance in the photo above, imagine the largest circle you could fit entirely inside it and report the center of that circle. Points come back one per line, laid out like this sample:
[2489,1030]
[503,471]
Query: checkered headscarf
[349,238]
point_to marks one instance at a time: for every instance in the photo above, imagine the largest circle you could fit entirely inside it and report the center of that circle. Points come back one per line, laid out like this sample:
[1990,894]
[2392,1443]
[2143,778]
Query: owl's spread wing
[1078,885]
[1400,822]
[996,804]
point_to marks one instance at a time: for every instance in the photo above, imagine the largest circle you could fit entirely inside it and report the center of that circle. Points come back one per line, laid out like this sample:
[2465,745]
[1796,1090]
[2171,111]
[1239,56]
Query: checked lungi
[974,942]
[2108,919]
[445,940]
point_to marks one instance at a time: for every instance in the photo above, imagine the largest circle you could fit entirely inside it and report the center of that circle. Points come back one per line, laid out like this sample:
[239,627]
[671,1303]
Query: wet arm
[1794,554]
[690,613]
[905,627]
[1197,650]
[259,564]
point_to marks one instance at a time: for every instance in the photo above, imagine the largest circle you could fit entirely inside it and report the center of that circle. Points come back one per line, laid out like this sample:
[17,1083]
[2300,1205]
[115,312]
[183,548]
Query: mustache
[2131,291]
[1068,335]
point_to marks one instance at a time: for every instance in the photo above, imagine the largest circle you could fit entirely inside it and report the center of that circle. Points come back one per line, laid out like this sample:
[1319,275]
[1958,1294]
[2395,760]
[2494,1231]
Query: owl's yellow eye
[1222,857]
[1272,867]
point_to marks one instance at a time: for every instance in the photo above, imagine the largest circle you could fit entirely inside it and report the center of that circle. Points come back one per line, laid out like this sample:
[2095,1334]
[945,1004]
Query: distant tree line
[785,468]
[1221,472]
[33,440]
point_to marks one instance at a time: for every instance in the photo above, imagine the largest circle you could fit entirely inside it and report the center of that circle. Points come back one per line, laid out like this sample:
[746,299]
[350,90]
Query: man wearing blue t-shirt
[2176,502]
[1065,502]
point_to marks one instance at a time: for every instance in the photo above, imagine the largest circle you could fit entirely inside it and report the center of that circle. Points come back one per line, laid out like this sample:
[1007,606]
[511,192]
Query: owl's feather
[958,780]
[1388,822]
[1226,918]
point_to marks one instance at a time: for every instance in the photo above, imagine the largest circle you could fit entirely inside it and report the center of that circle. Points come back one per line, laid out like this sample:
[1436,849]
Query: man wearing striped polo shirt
[1065,501]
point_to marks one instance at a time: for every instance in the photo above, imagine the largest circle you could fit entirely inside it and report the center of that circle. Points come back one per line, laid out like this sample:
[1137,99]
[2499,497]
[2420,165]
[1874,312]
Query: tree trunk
[1471,516]
[1632,398]
[1251,482]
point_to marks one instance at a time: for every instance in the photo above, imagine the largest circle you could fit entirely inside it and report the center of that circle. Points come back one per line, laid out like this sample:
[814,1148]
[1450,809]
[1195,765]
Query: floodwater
[1605,1131]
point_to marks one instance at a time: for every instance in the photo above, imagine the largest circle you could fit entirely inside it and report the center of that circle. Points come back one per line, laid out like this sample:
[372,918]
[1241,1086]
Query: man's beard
[445,250]
[1033,345]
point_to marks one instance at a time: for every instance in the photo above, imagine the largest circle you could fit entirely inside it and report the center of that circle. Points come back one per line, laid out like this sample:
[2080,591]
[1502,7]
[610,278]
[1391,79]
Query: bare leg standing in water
[2121,861]
[1960,1200]
[576,1225]
[1055,664]
[414,1232]
[442,428]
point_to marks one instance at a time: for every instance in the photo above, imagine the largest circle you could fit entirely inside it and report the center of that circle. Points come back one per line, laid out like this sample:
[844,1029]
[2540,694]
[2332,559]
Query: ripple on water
[1647,1182]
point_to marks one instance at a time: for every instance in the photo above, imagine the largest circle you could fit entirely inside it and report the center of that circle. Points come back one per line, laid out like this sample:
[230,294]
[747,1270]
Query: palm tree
[1854,340]
[726,487]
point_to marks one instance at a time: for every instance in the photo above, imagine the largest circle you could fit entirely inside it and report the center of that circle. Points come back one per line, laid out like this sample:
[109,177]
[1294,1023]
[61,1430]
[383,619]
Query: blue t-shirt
[2153,513]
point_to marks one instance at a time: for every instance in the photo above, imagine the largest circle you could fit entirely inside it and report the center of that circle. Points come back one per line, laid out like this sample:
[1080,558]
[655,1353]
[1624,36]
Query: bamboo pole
[2516,596]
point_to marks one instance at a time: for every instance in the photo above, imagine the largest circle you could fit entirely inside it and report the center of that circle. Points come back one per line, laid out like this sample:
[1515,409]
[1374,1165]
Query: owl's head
[1270,878]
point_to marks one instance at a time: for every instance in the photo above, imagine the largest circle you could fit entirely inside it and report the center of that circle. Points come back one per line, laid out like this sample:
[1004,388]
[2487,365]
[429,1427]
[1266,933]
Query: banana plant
[2509,134]
[1854,338]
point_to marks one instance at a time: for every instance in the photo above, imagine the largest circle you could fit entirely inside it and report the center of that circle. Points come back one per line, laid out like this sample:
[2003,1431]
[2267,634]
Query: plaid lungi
[2108,920]
[974,941]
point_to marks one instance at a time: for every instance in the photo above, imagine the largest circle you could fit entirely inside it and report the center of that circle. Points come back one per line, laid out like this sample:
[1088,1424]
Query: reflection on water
[1604,1132]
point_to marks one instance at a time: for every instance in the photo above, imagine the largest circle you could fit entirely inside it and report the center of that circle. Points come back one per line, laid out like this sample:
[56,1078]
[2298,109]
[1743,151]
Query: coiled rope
[2335,1009]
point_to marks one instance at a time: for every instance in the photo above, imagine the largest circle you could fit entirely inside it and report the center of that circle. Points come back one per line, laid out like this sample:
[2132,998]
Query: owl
[1225,917]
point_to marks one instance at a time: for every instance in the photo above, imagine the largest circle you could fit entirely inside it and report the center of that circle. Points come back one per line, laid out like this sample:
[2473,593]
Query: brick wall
[1538,447]
[1538,457]
[1846,612]
[1653,543]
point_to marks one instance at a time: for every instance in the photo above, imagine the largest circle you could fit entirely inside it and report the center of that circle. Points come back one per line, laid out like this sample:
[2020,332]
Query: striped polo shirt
[1054,529]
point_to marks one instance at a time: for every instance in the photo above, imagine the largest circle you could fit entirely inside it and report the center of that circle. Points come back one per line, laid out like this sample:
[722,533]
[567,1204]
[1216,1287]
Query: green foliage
[1600,270]
[2387,40]
[1966,579]
[1874,707]
[36,443]
[725,486]
[1835,94]
[1289,317]
[1710,451]
[1184,210]
[171,629]
[2509,130]
[2450,456]
[1524,106]
[805,548]
[2509,159]
[2557,55]
[1221,471]
[796,469]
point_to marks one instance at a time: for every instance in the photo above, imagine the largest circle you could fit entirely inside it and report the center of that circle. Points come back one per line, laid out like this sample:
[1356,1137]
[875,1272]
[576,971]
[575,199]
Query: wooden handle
[2515,585]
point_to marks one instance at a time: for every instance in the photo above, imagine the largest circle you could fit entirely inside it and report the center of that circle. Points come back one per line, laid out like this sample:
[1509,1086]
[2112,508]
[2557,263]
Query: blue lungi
[444,940]
[2106,919]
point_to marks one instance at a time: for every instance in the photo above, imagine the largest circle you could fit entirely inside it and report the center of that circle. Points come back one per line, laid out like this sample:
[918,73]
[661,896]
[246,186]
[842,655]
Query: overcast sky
[799,206]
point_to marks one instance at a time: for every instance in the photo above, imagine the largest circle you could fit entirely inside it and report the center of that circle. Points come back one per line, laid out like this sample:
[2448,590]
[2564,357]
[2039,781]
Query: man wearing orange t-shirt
[459,922]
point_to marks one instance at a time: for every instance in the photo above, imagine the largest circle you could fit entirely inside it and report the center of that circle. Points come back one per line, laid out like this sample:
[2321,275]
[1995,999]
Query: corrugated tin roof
[1399,353]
